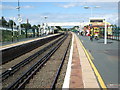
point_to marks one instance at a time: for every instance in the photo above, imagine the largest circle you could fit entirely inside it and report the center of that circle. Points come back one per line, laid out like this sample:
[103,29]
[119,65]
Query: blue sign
[90,24]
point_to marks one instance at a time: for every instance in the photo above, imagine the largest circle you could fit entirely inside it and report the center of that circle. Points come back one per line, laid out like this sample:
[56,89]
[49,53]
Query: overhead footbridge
[67,23]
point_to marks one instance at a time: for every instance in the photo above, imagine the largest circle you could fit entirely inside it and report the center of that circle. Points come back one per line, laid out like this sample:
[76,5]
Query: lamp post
[19,17]
[19,20]
[45,23]
[39,30]
[91,9]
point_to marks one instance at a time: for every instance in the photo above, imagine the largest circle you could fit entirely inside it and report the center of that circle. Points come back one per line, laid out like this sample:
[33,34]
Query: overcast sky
[61,11]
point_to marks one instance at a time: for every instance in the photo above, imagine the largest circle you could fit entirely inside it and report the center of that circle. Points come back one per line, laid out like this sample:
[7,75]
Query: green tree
[75,27]
[59,27]
[38,33]
[34,27]
[3,22]
[27,26]
[10,23]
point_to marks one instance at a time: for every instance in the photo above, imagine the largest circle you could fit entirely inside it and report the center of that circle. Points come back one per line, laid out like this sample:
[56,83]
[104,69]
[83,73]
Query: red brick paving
[76,71]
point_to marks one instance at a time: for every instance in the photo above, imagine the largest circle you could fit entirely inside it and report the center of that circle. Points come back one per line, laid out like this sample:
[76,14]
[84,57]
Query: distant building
[100,23]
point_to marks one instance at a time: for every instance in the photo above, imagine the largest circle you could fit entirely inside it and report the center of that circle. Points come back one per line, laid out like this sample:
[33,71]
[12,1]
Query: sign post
[19,20]
[105,33]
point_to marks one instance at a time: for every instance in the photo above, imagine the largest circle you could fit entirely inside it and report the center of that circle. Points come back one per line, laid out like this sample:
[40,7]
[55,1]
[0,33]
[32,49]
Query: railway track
[25,77]
[13,69]
[60,67]
[11,53]
[45,78]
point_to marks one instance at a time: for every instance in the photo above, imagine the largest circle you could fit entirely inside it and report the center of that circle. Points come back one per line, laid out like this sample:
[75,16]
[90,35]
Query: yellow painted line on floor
[100,80]
[92,58]
[22,42]
[14,44]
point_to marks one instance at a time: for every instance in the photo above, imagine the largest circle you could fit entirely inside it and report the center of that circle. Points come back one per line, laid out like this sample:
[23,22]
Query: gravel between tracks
[23,69]
[45,76]
[60,80]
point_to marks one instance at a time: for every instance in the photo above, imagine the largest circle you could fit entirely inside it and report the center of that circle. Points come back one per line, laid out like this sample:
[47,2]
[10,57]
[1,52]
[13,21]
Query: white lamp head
[86,7]
[97,6]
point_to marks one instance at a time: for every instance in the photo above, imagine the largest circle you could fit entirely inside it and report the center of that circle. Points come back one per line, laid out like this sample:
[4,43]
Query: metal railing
[114,35]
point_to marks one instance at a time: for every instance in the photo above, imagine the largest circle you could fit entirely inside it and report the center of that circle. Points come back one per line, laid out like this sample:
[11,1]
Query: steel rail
[22,80]
[13,52]
[60,67]
[15,68]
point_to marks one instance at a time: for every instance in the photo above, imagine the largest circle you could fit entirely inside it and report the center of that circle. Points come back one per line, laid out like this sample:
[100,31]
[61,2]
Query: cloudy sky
[61,11]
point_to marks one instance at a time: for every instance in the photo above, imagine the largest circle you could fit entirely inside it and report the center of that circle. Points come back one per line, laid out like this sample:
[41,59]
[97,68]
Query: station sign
[19,19]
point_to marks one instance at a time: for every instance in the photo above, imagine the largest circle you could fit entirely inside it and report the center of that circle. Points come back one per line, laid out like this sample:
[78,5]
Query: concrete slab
[89,78]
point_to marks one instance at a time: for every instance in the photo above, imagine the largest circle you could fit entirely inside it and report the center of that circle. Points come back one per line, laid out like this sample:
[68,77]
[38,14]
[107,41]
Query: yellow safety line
[102,84]
[23,42]
[92,58]
[13,44]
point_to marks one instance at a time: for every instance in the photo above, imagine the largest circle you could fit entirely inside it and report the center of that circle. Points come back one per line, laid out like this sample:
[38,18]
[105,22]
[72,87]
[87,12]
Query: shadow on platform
[107,42]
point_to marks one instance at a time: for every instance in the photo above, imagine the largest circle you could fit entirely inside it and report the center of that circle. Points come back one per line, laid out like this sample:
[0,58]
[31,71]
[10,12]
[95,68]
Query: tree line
[26,26]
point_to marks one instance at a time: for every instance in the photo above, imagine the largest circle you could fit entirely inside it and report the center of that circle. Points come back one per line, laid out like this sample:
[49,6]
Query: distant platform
[23,42]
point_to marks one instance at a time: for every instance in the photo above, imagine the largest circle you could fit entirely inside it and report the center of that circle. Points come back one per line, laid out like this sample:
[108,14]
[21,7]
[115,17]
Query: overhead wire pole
[91,9]
[45,24]
[19,18]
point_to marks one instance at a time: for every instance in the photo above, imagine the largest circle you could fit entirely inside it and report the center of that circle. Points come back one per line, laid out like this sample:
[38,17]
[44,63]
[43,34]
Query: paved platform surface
[105,58]
[76,80]
[79,72]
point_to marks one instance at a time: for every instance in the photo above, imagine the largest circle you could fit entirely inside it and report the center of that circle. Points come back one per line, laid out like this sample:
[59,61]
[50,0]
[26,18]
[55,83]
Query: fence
[114,35]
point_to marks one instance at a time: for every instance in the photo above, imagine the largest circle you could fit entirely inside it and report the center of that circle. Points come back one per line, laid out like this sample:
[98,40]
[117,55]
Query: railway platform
[10,45]
[105,57]
[92,64]
[87,66]
[9,51]
[79,72]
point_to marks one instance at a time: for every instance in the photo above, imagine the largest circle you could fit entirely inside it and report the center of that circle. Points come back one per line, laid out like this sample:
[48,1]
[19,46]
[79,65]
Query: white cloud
[101,0]
[102,5]
[0,7]
[13,7]
[69,5]
[7,7]
[58,17]
[27,7]
[63,0]
[112,18]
